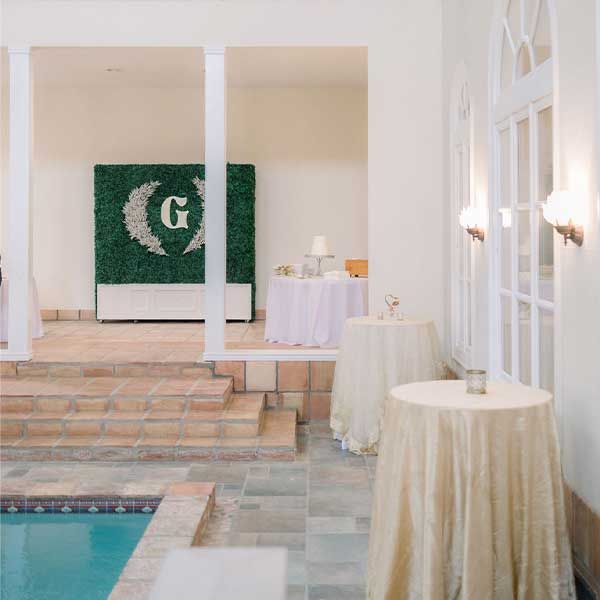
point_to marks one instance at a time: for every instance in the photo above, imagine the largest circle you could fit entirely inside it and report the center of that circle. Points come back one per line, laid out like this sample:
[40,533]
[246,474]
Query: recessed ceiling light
[113,70]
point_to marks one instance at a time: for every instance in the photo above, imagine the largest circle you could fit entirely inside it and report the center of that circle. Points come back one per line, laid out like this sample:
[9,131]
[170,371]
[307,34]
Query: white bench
[222,574]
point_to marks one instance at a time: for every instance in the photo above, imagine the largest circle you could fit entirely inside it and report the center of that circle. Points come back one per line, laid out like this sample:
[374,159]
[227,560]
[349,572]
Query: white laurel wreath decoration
[136,218]
[200,236]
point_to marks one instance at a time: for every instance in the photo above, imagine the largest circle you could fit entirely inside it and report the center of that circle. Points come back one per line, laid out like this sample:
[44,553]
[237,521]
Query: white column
[19,204]
[216,198]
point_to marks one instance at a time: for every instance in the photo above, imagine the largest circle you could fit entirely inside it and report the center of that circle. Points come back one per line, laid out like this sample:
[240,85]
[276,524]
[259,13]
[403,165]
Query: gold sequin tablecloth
[468,500]
[376,355]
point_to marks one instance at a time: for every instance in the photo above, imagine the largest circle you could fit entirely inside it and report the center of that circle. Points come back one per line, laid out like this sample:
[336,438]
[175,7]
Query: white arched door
[523,286]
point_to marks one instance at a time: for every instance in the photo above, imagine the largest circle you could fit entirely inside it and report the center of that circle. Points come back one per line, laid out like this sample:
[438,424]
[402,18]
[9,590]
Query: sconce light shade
[560,211]
[558,208]
[472,219]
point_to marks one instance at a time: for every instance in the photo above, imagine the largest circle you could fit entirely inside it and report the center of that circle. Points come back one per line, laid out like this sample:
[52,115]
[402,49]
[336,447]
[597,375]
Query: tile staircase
[137,411]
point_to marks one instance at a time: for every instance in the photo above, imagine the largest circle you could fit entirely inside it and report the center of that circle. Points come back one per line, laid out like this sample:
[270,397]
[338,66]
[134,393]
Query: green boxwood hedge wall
[120,259]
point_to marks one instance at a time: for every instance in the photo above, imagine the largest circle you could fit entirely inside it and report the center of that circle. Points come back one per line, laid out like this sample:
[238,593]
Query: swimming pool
[65,556]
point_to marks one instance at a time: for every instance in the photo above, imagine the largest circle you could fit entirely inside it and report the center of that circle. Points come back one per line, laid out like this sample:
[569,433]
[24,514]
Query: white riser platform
[171,301]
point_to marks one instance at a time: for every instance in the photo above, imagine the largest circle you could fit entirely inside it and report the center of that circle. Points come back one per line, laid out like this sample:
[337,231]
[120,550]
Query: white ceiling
[183,67]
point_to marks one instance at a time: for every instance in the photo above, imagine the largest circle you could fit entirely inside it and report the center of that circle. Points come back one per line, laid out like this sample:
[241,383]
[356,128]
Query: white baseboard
[318,354]
[6,356]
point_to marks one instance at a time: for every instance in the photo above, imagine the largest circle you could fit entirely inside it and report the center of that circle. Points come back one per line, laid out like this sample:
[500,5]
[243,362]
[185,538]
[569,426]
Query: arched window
[461,195]
[523,288]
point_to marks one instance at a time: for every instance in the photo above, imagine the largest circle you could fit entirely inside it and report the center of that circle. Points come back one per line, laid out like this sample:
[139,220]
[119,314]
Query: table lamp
[319,251]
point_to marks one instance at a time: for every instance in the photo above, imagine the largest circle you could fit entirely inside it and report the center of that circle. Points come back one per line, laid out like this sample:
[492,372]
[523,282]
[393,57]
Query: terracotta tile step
[243,417]
[115,369]
[135,427]
[277,442]
[240,408]
[62,388]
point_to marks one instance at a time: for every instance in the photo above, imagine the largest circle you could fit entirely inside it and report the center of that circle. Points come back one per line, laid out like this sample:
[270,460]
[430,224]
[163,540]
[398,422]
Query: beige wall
[406,243]
[308,144]
[467,26]
[405,168]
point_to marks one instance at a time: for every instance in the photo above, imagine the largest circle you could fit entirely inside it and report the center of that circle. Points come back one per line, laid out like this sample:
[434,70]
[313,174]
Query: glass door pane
[505,258]
[505,170]
[547,350]
[524,258]
[525,343]
[506,334]
[545,187]
[546,259]
[523,162]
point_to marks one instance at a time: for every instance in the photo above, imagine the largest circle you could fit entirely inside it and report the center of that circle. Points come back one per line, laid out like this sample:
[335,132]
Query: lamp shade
[471,217]
[320,247]
[560,208]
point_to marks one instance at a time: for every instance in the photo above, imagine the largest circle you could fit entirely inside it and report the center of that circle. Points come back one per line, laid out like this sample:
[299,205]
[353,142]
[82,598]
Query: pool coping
[180,517]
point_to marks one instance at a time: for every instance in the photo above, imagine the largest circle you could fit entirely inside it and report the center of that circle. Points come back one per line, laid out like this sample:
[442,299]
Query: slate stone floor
[317,506]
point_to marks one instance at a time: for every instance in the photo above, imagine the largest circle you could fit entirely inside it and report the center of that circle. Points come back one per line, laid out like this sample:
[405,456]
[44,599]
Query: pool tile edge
[179,521]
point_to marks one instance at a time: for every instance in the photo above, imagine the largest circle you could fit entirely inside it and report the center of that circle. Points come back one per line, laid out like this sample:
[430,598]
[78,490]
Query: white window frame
[461,187]
[526,97]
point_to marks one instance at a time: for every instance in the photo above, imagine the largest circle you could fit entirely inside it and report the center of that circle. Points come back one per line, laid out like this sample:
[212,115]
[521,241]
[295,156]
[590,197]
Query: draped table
[375,356]
[35,315]
[311,312]
[468,497]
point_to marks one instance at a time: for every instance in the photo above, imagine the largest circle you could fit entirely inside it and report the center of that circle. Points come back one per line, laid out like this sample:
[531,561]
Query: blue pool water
[65,557]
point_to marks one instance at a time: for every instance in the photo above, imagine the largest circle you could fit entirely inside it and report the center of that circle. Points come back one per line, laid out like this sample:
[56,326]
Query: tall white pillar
[19,204]
[216,198]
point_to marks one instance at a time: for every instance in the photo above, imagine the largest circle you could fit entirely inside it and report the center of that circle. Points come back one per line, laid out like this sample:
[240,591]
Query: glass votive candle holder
[476,381]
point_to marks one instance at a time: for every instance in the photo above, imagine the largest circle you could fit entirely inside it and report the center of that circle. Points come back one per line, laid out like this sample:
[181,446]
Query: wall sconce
[472,219]
[560,211]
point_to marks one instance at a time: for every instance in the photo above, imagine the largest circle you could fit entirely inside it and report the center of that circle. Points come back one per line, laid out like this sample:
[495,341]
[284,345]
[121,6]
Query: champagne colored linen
[468,498]
[376,355]
[311,312]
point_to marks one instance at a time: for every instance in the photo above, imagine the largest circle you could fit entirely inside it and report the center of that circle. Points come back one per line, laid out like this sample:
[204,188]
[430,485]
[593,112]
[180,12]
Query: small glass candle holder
[476,381]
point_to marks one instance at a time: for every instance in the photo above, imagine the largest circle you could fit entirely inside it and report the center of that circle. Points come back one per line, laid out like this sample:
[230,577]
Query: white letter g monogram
[182,215]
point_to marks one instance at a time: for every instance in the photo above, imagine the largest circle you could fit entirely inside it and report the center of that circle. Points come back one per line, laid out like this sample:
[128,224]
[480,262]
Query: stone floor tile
[270,521]
[260,471]
[357,476]
[363,524]
[334,573]
[169,472]
[329,522]
[287,468]
[221,473]
[337,547]
[335,592]
[296,592]
[331,525]
[296,567]
[292,541]
[276,485]
[277,502]
[338,501]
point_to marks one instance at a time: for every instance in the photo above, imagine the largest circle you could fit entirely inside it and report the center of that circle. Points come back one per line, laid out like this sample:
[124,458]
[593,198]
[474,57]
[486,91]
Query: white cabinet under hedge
[168,301]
